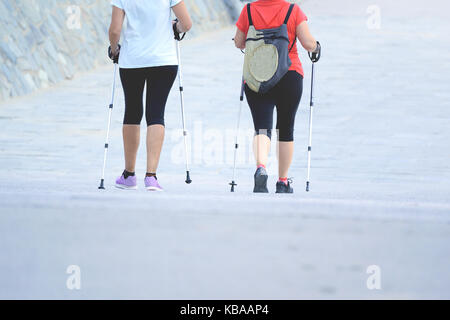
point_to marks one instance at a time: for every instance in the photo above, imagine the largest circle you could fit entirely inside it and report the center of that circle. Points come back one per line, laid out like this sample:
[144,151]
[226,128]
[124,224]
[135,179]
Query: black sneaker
[261,181]
[284,188]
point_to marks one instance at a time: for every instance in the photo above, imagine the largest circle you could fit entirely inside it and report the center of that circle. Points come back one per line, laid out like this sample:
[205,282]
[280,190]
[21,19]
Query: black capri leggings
[286,96]
[159,82]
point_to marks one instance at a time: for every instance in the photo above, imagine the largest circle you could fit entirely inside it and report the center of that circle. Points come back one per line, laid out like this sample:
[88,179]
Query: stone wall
[45,41]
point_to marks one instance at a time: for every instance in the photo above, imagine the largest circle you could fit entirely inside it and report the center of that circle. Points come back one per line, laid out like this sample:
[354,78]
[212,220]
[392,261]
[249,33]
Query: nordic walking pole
[315,56]
[236,144]
[311,106]
[111,106]
[180,79]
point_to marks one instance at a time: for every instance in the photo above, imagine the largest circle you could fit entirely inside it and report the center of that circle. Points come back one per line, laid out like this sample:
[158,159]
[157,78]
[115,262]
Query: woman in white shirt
[147,56]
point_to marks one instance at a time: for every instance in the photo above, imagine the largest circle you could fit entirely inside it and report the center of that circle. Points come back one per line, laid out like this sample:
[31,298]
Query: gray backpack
[266,55]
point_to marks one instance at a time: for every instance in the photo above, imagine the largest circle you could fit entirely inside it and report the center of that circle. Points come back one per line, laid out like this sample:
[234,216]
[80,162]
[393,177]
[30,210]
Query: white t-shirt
[148,37]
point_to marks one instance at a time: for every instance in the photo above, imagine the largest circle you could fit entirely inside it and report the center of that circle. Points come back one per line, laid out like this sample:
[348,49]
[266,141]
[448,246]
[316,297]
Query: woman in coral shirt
[285,96]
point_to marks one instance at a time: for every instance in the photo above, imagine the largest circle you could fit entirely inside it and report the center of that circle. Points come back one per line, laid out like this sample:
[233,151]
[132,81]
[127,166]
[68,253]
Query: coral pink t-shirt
[267,14]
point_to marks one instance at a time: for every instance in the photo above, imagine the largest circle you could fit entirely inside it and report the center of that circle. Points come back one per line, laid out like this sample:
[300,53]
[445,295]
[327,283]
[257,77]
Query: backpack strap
[288,15]
[250,20]
[293,44]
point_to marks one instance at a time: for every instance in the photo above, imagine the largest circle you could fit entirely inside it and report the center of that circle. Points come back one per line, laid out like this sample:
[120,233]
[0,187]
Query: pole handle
[315,56]
[176,33]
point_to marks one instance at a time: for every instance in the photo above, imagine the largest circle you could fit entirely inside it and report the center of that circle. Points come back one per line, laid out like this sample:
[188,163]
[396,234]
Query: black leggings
[286,97]
[159,82]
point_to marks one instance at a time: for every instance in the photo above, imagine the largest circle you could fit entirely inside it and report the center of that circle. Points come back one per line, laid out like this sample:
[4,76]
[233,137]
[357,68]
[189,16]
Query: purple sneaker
[151,184]
[128,183]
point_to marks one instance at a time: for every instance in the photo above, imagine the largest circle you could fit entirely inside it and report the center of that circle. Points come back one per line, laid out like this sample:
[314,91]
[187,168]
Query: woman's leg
[261,149]
[289,92]
[285,153]
[159,83]
[131,137]
[133,82]
[155,140]
[261,107]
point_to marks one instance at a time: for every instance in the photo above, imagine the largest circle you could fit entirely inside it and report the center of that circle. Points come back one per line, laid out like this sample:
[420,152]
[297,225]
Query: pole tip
[188,178]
